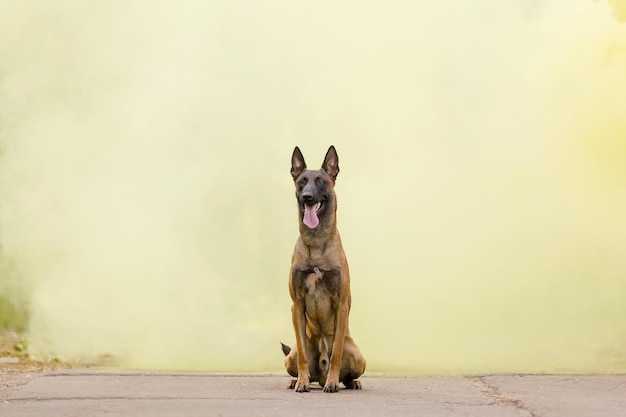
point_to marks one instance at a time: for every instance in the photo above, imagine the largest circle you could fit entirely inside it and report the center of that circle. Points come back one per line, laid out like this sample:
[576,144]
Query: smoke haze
[147,211]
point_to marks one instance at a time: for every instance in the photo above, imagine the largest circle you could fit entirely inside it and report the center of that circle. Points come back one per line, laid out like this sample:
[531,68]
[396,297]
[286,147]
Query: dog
[319,285]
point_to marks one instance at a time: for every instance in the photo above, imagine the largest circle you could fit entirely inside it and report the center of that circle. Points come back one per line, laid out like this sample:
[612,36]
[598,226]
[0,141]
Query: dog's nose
[307,197]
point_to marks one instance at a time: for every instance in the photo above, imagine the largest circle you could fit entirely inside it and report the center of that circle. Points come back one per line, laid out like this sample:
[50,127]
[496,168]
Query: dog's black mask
[314,188]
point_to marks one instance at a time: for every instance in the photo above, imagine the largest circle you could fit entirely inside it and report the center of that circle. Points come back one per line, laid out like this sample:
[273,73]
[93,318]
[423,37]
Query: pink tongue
[310,216]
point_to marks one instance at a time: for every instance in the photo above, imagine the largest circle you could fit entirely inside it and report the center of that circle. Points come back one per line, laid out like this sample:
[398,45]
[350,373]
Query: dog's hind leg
[352,366]
[291,363]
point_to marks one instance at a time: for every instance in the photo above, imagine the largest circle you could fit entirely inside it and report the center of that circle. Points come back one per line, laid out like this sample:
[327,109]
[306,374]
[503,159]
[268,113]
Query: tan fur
[319,285]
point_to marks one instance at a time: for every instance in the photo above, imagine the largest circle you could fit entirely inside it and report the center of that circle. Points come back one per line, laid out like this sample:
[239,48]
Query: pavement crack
[498,397]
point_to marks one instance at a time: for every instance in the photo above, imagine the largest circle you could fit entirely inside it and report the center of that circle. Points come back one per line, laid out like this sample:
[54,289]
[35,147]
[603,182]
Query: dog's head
[314,188]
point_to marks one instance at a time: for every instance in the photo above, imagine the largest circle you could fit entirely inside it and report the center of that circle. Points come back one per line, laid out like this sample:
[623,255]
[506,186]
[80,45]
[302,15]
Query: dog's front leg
[332,381]
[299,326]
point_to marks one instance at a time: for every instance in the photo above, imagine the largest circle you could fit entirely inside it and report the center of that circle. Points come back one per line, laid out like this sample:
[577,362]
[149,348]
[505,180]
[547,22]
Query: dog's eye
[302,182]
[320,181]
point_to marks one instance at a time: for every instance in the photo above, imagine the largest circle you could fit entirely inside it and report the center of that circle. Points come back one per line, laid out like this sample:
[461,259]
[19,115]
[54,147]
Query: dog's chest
[319,282]
[320,291]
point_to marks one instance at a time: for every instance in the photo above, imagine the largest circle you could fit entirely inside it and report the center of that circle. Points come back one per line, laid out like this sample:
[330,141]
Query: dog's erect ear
[331,163]
[297,163]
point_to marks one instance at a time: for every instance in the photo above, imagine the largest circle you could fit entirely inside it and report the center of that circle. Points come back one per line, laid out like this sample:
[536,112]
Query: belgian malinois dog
[319,285]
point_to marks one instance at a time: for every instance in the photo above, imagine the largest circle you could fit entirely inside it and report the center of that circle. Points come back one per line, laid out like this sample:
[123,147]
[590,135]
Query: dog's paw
[292,383]
[301,385]
[331,386]
[352,384]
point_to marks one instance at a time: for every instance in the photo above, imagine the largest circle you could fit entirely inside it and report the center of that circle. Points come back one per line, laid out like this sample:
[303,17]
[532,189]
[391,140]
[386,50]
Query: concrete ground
[99,393]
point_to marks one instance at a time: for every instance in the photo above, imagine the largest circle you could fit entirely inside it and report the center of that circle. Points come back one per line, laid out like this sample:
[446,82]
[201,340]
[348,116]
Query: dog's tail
[286,349]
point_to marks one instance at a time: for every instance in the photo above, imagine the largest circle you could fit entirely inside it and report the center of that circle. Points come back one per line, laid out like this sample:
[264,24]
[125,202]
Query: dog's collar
[314,270]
